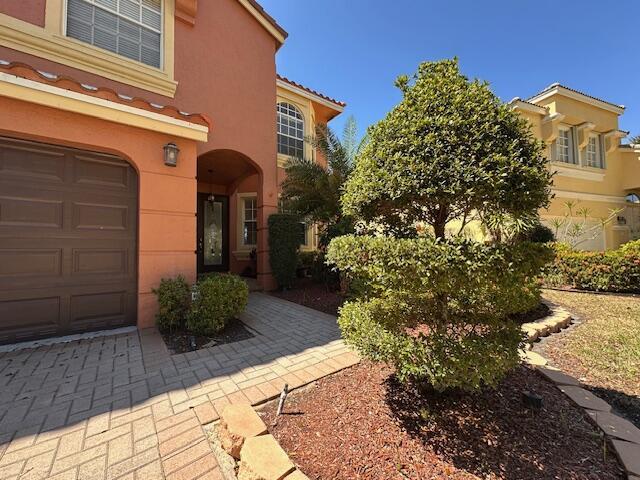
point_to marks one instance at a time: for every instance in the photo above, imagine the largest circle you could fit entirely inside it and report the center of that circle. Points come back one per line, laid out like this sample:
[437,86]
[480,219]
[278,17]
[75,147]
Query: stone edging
[558,319]
[621,434]
[242,440]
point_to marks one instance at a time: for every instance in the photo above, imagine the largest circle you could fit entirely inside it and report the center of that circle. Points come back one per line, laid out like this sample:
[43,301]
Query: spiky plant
[313,189]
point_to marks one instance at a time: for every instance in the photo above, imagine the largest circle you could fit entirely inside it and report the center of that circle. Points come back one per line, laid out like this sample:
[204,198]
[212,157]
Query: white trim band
[592,197]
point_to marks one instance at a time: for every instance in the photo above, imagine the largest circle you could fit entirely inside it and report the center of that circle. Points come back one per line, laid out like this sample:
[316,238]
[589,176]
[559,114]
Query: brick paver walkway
[122,407]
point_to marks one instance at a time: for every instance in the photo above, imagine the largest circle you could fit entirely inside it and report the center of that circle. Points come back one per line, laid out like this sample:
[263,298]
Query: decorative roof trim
[53,94]
[518,103]
[557,89]
[266,20]
[309,93]
[64,82]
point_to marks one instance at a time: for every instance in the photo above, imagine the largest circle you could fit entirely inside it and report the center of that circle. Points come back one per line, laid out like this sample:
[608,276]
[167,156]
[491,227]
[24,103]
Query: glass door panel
[212,233]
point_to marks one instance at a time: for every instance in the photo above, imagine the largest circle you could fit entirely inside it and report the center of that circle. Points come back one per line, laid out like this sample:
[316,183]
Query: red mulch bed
[362,424]
[313,295]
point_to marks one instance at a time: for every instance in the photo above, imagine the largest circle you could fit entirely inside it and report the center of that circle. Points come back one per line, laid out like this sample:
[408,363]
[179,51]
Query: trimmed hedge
[174,298]
[438,310]
[284,241]
[217,299]
[609,271]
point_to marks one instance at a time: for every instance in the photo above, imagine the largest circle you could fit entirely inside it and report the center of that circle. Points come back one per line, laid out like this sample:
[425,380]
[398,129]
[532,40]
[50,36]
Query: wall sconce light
[171,151]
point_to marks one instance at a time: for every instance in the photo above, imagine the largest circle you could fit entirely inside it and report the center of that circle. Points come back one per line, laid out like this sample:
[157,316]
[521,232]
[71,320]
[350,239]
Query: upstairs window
[594,156]
[633,198]
[564,146]
[131,28]
[290,130]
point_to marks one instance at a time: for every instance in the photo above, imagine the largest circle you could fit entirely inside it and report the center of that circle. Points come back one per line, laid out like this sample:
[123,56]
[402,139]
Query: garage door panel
[101,307]
[30,262]
[100,262]
[101,173]
[32,164]
[22,315]
[68,241]
[30,212]
[92,216]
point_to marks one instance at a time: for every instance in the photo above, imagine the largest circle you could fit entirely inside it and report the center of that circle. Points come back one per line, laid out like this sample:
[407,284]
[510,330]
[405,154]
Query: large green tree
[313,188]
[449,150]
[436,307]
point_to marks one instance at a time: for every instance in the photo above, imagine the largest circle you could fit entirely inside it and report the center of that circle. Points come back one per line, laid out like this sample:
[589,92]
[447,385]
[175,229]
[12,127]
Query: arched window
[632,198]
[290,130]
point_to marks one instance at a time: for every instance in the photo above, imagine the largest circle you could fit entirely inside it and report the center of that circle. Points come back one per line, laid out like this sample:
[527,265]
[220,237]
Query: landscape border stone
[243,444]
[558,319]
[621,434]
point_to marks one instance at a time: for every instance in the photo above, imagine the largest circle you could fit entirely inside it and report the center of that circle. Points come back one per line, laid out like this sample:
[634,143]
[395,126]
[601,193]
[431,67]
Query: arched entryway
[229,220]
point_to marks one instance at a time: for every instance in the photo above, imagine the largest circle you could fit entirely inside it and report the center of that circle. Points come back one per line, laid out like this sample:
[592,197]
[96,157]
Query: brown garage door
[68,223]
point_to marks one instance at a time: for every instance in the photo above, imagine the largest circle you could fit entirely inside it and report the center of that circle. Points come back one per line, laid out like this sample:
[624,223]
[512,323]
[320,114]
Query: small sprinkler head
[531,399]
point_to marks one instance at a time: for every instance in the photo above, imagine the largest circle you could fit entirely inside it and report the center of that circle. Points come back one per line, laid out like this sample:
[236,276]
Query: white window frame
[570,148]
[592,152]
[243,220]
[161,31]
[301,119]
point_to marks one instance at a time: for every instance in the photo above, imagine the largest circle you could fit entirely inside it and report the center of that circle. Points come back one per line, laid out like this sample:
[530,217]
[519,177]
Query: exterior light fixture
[171,151]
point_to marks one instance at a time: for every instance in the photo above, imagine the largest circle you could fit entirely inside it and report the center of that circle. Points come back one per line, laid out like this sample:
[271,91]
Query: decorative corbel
[612,140]
[186,11]
[550,126]
[584,129]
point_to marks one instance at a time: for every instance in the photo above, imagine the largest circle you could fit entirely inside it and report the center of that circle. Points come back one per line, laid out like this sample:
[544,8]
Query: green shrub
[438,310]
[173,300]
[284,241]
[217,299]
[539,234]
[610,271]
[631,248]
[307,259]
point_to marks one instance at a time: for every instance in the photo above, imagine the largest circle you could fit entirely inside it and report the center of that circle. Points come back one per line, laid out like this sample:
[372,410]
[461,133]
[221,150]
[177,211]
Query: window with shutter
[131,28]
[565,146]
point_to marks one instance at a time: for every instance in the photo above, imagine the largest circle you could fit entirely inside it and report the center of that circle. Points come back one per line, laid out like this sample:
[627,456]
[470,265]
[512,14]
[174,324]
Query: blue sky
[354,49]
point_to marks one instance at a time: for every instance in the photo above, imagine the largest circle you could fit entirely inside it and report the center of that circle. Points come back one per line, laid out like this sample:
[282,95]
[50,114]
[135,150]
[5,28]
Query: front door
[213,233]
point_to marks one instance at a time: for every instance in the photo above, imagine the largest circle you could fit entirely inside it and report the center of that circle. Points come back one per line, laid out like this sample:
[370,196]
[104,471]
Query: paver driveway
[122,407]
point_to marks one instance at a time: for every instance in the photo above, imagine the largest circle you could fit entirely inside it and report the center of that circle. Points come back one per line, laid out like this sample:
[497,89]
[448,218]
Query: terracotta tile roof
[268,18]
[554,85]
[23,70]
[313,92]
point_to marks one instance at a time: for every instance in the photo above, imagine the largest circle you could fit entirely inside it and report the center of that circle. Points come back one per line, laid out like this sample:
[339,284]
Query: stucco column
[267,205]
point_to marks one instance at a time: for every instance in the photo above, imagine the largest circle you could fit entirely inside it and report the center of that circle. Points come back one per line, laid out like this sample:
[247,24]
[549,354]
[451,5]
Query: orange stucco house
[107,184]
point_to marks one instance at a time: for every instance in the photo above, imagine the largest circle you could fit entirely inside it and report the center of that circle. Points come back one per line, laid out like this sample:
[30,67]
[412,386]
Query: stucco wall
[225,68]
[31,11]
[166,232]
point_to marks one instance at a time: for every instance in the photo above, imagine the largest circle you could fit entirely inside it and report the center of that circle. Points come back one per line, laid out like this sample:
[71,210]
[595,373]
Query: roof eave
[557,89]
[332,104]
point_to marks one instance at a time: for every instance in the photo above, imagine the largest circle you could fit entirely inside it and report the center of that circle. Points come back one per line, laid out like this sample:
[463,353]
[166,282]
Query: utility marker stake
[283,396]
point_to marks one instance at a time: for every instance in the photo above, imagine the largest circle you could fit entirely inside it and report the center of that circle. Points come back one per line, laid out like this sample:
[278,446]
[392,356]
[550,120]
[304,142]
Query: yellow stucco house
[593,169]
